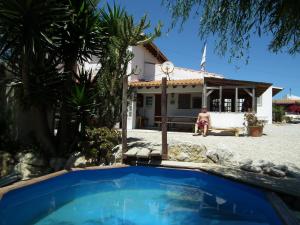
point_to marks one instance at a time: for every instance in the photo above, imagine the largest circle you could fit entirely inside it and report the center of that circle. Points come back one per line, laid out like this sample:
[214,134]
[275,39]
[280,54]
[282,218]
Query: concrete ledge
[289,186]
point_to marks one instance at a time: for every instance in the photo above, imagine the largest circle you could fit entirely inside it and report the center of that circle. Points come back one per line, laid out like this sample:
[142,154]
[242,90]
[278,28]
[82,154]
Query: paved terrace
[280,144]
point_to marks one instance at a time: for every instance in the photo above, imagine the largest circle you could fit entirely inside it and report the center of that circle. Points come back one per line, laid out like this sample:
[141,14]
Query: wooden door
[157,107]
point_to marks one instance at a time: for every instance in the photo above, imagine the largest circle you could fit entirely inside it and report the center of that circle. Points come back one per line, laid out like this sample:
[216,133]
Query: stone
[188,153]
[81,162]
[246,162]
[30,164]
[266,170]
[265,164]
[132,152]
[251,168]
[155,153]
[212,155]
[31,158]
[283,168]
[6,163]
[143,153]
[224,153]
[293,174]
[274,172]
[28,171]
[57,163]
[182,156]
[24,170]
[117,154]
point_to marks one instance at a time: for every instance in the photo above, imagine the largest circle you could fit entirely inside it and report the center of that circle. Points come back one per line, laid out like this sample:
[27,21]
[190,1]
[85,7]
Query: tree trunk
[42,131]
[64,133]
[25,76]
[124,115]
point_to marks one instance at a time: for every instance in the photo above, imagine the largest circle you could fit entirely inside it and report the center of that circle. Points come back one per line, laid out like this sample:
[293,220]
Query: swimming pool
[136,196]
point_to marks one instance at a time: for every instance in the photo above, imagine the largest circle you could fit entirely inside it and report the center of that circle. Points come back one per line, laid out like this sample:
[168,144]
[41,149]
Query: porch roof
[276,90]
[260,87]
[157,83]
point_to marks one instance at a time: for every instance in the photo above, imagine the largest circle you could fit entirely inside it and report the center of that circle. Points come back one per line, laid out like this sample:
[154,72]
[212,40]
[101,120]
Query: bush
[99,143]
[278,113]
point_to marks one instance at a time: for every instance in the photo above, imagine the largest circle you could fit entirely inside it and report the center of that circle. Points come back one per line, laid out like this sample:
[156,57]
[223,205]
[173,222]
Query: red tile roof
[157,83]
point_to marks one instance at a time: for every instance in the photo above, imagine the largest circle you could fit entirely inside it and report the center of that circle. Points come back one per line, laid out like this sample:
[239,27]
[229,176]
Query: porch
[226,100]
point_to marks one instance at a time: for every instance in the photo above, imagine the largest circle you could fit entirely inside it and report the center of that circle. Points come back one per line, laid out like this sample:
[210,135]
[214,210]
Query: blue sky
[184,49]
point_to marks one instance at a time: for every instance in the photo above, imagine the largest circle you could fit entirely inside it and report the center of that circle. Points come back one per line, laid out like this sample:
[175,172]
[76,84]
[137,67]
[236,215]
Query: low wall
[226,119]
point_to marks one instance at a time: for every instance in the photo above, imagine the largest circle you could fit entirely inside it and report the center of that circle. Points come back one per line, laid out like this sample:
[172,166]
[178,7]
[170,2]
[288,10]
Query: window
[240,104]
[215,105]
[227,105]
[184,101]
[149,100]
[196,102]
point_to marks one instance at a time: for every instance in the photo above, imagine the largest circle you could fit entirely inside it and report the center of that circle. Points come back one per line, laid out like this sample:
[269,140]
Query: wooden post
[236,99]
[204,97]
[220,99]
[124,115]
[164,127]
[253,100]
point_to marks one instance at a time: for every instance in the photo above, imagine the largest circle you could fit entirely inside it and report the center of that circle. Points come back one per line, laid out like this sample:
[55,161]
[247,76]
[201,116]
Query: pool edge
[24,183]
[281,209]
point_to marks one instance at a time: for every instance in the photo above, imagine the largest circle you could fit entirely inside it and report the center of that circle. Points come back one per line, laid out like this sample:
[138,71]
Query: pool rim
[283,212]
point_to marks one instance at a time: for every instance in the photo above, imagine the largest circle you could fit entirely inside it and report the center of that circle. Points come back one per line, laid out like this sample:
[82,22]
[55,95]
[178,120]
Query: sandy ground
[280,144]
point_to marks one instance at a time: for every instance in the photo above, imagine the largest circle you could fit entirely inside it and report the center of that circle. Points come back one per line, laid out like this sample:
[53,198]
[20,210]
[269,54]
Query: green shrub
[278,113]
[99,143]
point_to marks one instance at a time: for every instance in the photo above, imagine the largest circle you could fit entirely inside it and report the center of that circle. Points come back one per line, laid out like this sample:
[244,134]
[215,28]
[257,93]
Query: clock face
[167,67]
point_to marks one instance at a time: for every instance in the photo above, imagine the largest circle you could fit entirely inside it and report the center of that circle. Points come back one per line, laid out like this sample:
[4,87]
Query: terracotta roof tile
[286,101]
[157,83]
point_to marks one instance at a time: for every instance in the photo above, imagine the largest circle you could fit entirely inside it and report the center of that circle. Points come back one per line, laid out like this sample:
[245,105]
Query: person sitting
[202,123]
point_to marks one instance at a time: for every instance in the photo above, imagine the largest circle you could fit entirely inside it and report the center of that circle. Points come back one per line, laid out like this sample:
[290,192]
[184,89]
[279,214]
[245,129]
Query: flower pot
[255,131]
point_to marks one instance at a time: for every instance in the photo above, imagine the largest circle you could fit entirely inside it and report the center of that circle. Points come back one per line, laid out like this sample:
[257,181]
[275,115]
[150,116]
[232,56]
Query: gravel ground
[280,144]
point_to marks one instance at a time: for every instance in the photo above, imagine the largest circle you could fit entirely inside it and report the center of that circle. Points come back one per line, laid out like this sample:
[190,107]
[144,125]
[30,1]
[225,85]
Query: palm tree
[27,28]
[81,38]
[122,33]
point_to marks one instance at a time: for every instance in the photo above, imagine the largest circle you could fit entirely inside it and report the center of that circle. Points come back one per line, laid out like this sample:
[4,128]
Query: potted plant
[254,126]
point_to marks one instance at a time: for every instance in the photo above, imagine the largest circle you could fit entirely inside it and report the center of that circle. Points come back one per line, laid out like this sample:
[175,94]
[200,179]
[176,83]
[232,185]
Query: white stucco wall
[226,119]
[264,111]
[143,64]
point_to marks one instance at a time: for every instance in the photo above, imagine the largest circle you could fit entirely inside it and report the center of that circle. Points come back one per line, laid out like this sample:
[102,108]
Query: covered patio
[227,100]
[227,95]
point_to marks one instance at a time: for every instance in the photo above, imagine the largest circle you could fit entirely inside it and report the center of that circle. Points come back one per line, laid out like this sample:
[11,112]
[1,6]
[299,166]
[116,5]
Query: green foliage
[278,112]
[80,37]
[26,26]
[45,45]
[98,144]
[233,22]
[122,33]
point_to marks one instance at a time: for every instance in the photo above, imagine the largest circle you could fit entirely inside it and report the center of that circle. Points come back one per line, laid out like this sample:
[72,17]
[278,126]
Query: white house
[189,90]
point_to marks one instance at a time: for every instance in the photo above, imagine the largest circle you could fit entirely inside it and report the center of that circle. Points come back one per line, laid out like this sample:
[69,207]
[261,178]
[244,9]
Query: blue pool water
[136,196]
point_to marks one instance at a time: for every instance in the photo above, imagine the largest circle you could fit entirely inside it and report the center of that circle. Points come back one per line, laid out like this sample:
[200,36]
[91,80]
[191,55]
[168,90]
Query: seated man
[203,122]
